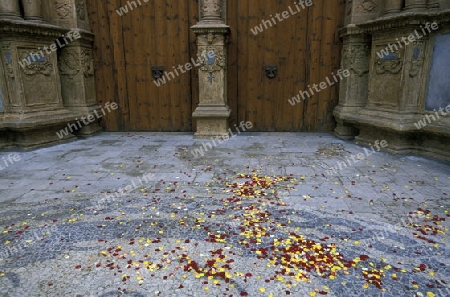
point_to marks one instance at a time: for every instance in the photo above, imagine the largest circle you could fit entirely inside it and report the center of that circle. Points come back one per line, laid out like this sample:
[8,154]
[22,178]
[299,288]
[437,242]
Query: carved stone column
[9,9]
[76,68]
[212,112]
[353,89]
[75,63]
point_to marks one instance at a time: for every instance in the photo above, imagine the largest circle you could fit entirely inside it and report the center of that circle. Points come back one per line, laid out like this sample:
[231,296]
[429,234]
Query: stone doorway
[134,42]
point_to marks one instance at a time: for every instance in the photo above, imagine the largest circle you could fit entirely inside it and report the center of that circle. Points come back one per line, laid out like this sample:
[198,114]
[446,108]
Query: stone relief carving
[87,62]
[368,5]
[63,8]
[71,62]
[391,62]
[7,60]
[349,7]
[355,58]
[417,58]
[212,56]
[213,59]
[393,66]
[365,6]
[211,8]
[80,8]
[42,66]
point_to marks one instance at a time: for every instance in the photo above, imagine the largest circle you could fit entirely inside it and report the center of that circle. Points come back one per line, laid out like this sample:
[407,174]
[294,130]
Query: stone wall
[397,52]
[46,72]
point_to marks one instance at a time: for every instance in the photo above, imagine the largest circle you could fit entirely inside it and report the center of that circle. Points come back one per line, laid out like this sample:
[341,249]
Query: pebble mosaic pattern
[208,228]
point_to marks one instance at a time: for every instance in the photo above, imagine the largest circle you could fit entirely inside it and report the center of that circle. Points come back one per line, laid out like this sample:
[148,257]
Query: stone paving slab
[257,215]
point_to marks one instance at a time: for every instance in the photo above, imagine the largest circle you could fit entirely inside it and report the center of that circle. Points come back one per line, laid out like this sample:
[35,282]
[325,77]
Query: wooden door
[305,46]
[130,38]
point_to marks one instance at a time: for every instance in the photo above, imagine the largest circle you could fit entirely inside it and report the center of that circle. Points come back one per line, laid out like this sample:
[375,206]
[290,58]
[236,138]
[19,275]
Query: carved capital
[211,10]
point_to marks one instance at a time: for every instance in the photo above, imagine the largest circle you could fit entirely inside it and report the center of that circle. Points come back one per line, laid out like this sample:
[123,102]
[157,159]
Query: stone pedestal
[212,113]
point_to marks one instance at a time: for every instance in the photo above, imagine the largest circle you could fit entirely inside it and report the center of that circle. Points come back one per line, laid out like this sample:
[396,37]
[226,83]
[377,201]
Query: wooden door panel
[156,33]
[305,47]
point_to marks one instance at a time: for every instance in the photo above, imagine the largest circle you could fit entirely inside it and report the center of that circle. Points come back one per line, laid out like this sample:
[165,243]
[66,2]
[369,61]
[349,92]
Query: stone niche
[46,72]
[399,89]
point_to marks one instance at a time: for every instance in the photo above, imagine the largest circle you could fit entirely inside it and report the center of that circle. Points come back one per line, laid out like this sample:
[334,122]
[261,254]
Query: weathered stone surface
[389,60]
[46,72]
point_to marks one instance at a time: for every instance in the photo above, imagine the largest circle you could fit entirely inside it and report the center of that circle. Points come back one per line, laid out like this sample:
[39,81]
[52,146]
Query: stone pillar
[9,9]
[353,89]
[75,63]
[212,112]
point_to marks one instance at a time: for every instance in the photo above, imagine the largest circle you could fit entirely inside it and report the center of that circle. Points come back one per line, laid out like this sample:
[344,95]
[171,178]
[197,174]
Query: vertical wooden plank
[103,61]
[116,34]
[232,66]
[315,25]
[167,107]
[193,19]
[332,19]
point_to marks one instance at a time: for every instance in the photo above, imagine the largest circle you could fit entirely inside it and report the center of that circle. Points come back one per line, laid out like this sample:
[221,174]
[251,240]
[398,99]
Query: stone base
[32,134]
[345,131]
[431,145]
[35,132]
[89,130]
[212,121]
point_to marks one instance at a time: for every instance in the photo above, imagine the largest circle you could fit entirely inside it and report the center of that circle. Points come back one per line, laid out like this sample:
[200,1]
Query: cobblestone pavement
[138,214]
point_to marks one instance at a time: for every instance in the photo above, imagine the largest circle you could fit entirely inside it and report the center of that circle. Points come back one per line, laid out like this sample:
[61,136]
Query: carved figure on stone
[7,61]
[63,8]
[80,7]
[88,63]
[417,58]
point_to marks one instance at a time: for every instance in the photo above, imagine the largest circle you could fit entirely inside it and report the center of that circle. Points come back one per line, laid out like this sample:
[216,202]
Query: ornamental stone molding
[45,85]
[392,85]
